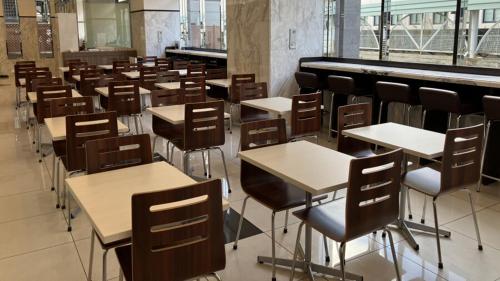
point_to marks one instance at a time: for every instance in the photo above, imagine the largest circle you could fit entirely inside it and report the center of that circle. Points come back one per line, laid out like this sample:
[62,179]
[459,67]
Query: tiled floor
[34,244]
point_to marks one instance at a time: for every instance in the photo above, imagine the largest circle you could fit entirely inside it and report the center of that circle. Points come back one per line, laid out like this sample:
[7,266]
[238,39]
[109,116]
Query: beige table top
[22,81]
[105,91]
[76,77]
[224,83]
[106,66]
[311,167]
[64,68]
[57,127]
[198,53]
[132,74]
[173,114]
[106,197]
[414,141]
[276,105]
[173,85]
[33,98]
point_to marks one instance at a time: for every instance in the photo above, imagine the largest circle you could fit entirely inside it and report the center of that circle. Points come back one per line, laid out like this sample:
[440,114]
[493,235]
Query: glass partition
[12,29]
[45,46]
[369,42]
[329,28]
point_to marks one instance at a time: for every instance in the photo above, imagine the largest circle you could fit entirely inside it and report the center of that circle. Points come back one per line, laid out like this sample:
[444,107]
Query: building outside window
[491,15]
[415,19]
[203,24]
[438,18]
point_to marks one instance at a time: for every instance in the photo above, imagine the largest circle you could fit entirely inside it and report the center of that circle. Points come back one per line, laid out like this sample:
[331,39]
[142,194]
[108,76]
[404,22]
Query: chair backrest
[104,79]
[341,85]
[124,98]
[182,241]
[203,125]
[236,81]
[350,117]
[180,64]
[82,128]
[195,70]
[120,66]
[163,64]
[216,73]
[439,100]
[75,67]
[168,76]
[308,82]
[372,200]
[44,94]
[251,91]
[20,72]
[394,92]
[134,66]
[36,73]
[491,106]
[89,80]
[117,152]
[71,106]
[263,133]
[461,164]
[147,77]
[306,114]
[166,97]
[149,59]
[35,83]
[194,89]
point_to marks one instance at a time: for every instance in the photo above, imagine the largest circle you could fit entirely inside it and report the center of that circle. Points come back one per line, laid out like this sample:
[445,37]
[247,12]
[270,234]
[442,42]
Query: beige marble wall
[248,37]
[138,32]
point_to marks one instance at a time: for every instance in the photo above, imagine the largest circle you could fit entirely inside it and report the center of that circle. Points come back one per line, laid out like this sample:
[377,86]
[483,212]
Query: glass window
[329,28]
[376,20]
[488,16]
[416,19]
[369,32]
[12,29]
[395,19]
[439,18]
[203,23]
[104,23]
[45,46]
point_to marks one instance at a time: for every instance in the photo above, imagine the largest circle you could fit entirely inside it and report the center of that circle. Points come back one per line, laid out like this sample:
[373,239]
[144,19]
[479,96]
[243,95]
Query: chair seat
[362,153]
[328,219]
[425,180]
[278,195]
[469,108]
[124,255]
[255,117]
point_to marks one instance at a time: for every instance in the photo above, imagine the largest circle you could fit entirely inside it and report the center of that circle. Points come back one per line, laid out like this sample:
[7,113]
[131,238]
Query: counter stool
[308,82]
[491,106]
[389,92]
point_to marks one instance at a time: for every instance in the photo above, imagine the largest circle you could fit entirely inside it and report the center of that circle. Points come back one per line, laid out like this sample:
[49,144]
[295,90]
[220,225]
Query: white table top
[148,64]
[22,81]
[311,167]
[105,91]
[276,105]
[33,98]
[76,77]
[414,141]
[57,127]
[429,75]
[105,66]
[132,74]
[64,68]
[173,114]
[106,197]
[198,53]
[173,85]
[224,83]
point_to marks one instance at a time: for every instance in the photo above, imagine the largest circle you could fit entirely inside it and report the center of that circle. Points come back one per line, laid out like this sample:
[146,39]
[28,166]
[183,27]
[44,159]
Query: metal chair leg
[483,153]
[327,252]
[424,209]
[285,230]
[53,172]
[91,260]
[478,235]
[58,186]
[436,225]
[342,260]
[394,255]
[408,203]
[104,265]
[273,238]
[295,253]
[154,143]
[225,168]
[235,245]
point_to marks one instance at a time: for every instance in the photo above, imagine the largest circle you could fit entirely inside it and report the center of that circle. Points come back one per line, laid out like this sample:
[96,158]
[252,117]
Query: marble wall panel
[162,29]
[138,32]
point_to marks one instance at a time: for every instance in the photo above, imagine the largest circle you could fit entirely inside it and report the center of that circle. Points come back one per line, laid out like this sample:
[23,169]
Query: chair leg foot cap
[273,279]
[480,247]
[327,259]
[422,221]
[440,265]
[410,217]
[39,160]
[63,207]
[229,191]
[69,229]
[285,230]
[235,247]
[384,234]
[416,248]
[57,206]
[71,216]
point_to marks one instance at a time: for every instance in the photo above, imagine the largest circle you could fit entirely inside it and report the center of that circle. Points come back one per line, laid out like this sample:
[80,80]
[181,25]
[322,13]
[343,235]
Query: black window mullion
[458,17]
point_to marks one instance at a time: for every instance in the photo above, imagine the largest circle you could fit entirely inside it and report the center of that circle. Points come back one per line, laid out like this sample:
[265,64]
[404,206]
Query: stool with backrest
[203,132]
[308,82]
[124,98]
[196,70]
[168,76]
[193,89]
[491,107]
[343,86]
[147,77]
[63,107]
[180,64]
[79,130]
[162,128]
[163,64]
[306,116]
[363,210]
[267,189]
[389,92]
[110,154]
[460,168]
[189,242]
[234,94]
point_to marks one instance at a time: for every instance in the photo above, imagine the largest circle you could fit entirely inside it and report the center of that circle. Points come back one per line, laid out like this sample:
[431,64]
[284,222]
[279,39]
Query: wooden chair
[134,66]
[350,117]
[168,76]
[36,73]
[74,69]
[234,94]
[194,89]
[306,116]
[79,130]
[63,107]
[89,80]
[203,132]
[149,59]
[120,66]
[163,64]
[308,82]
[124,98]
[216,73]
[366,209]
[162,128]
[196,70]
[268,190]
[180,64]
[20,71]
[251,91]
[110,154]
[190,239]
[491,106]
[37,82]
[147,77]
[460,168]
